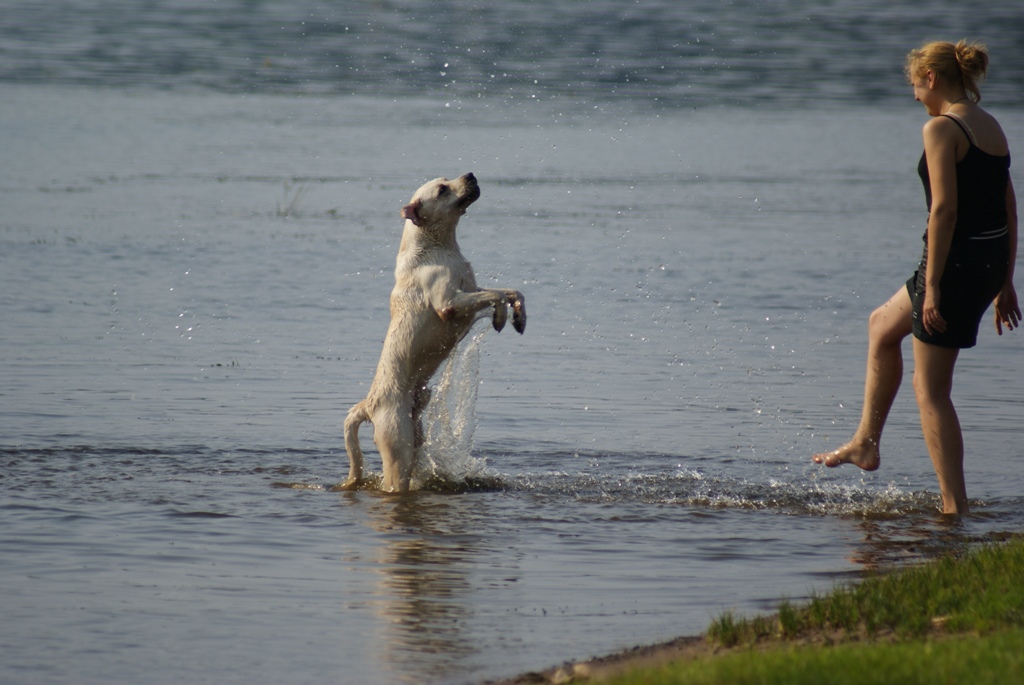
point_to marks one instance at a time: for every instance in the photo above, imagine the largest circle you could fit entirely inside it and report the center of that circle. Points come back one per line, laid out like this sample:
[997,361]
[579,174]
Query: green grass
[982,591]
[955,620]
[994,660]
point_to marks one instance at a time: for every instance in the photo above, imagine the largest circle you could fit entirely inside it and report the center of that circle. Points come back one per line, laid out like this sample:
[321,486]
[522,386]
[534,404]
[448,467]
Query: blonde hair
[963,64]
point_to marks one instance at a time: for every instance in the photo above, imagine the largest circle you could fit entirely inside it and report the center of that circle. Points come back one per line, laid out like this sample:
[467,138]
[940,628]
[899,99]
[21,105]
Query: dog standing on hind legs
[434,304]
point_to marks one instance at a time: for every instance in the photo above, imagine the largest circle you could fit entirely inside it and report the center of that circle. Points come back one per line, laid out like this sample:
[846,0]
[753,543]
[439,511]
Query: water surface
[194,271]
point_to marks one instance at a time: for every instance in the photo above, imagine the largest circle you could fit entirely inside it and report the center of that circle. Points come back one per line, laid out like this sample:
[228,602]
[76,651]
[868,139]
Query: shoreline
[770,632]
[602,667]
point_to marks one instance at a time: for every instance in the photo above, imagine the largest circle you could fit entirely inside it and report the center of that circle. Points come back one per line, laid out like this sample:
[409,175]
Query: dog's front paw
[519,315]
[500,316]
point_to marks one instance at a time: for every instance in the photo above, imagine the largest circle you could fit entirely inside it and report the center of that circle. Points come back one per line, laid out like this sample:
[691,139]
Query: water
[199,222]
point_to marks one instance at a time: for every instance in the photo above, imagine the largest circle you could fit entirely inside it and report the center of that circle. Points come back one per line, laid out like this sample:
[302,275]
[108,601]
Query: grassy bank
[981,592]
[993,659]
[954,620]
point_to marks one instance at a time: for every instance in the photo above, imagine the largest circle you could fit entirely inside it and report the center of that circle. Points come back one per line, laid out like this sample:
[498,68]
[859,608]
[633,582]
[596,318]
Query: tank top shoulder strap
[963,127]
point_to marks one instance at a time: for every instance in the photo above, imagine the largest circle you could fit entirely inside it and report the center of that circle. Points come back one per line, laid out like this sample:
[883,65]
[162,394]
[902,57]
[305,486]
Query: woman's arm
[940,143]
[1007,309]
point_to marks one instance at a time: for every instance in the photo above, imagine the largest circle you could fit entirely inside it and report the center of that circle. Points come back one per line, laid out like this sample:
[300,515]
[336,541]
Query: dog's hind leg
[356,416]
[420,399]
[396,442]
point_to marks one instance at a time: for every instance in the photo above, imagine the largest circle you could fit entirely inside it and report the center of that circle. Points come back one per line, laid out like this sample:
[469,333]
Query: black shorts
[974,274]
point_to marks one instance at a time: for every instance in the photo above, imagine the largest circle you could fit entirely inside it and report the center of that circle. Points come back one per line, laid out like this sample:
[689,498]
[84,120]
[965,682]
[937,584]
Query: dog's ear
[411,212]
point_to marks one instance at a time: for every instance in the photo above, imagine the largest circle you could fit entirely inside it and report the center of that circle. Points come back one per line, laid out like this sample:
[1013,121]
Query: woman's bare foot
[863,454]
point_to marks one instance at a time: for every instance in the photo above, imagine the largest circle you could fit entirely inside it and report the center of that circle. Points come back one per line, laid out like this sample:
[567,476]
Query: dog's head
[439,203]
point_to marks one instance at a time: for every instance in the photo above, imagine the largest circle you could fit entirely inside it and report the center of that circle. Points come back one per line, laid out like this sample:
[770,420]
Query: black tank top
[981,181]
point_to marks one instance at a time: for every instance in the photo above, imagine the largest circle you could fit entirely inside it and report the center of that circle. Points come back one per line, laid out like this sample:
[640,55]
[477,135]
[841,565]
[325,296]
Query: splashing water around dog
[450,420]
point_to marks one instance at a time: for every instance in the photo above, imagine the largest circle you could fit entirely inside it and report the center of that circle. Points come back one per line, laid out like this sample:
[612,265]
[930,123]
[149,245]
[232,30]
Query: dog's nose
[469,178]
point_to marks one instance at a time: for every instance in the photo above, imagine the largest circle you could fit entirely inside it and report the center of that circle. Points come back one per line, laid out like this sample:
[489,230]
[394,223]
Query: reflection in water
[892,541]
[424,594]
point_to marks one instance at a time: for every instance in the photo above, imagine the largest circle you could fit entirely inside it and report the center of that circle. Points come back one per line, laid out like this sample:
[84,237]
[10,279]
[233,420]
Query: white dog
[433,305]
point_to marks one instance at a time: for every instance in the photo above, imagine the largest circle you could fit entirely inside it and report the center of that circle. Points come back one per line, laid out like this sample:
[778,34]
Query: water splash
[636,479]
[450,421]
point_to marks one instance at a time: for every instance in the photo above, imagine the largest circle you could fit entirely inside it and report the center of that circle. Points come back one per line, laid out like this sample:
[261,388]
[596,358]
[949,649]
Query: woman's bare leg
[887,327]
[933,383]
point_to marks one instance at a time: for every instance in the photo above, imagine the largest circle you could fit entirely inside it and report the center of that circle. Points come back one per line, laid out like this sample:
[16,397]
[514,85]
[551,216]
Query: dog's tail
[357,415]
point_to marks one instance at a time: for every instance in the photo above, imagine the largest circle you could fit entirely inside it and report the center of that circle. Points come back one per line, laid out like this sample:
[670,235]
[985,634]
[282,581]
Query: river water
[701,201]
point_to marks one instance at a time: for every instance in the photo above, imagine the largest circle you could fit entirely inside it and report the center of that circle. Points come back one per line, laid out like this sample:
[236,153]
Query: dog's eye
[442,191]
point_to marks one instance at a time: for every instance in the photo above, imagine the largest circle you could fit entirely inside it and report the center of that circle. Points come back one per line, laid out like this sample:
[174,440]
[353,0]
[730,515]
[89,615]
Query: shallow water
[179,351]
[193,290]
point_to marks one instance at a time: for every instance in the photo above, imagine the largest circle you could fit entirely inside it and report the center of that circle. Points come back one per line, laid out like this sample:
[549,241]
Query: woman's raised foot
[861,454]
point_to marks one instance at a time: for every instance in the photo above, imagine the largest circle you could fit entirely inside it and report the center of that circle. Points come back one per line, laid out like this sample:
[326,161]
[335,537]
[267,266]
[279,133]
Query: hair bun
[972,58]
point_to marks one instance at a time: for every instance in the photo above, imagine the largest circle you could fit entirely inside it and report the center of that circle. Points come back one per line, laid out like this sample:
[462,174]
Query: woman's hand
[1007,309]
[930,316]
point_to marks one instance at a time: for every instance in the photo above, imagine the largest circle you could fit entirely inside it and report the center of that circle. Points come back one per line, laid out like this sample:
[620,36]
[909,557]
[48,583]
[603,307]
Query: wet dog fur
[434,304]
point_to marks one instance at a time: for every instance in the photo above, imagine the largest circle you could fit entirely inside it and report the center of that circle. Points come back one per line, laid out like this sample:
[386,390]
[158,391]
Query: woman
[969,254]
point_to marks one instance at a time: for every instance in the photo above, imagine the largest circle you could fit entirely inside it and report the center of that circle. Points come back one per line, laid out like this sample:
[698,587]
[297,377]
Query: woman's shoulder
[988,134]
[976,125]
[941,129]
